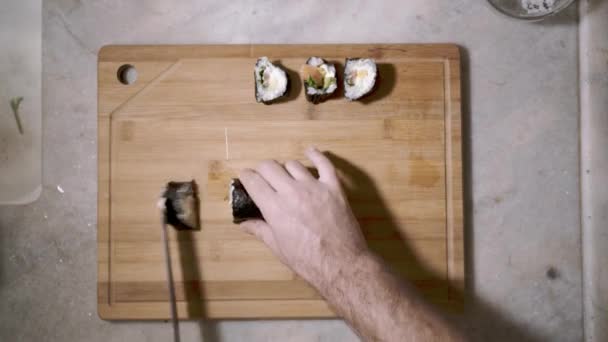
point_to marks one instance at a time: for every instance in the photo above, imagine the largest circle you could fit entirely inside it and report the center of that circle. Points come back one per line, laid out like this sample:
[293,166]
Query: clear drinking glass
[530,9]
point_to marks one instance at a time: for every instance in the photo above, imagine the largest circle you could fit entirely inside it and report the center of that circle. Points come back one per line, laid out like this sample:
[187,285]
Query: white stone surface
[594,165]
[20,76]
[521,109]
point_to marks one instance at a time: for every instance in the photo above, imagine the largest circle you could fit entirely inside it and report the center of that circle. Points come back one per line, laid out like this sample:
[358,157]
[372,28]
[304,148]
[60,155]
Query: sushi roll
[271,81]
[180,205]
[360,77]
[243,207]
[319,79]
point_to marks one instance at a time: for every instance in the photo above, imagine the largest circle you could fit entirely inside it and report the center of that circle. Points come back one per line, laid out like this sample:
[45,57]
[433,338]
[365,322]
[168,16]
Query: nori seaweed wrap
[243,207]
[271,81]
[319,79]
[180,205]
[360,78]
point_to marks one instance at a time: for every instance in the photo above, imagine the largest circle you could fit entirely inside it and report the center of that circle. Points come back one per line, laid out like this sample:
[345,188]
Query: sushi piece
[271,81]
[319,79]
[360,77]
[243,207]
[180,205]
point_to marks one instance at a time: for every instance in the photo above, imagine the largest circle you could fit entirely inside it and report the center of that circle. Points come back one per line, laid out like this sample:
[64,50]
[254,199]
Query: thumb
[261,230]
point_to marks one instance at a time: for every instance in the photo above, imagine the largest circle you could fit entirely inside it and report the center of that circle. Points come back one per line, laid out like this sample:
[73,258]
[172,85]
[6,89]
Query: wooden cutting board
[191,114]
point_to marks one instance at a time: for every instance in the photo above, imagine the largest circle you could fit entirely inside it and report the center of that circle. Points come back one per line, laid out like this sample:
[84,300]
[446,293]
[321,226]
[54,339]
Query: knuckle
[265,165]
[246,227]
[259,234]
[292,164]
[246,174]
[247,179]
[329,165]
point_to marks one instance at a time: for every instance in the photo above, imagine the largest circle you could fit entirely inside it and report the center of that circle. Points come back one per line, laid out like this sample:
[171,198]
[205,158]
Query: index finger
[274,174]
[257,188]
[327,172]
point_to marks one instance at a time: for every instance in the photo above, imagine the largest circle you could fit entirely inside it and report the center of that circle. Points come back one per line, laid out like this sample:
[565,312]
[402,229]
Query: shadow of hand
[387,237]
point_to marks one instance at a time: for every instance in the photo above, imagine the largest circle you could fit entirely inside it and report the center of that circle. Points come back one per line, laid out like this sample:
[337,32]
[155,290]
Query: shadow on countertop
[477,319]
[480,320]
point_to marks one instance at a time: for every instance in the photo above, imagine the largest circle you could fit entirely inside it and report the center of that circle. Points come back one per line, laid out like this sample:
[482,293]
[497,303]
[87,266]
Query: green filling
[327,82]
[15,103]
[261,72]
[310,82]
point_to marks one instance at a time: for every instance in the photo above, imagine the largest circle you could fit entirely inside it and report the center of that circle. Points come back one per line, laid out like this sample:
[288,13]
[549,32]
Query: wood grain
[191,114]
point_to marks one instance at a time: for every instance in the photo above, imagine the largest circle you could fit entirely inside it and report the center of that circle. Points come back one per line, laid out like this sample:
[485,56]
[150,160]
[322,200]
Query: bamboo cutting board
[191,114]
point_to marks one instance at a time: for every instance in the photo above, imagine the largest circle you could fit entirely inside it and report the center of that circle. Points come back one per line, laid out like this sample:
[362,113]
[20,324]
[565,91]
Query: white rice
[277,81]
[329,72]
[363,85]
[230,191]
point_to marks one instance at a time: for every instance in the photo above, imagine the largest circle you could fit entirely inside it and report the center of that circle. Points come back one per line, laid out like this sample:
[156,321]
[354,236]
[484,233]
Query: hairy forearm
[309,225]
[378,304]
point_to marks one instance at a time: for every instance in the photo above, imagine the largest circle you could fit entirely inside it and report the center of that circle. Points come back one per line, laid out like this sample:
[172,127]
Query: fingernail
[244,171]
[312,149]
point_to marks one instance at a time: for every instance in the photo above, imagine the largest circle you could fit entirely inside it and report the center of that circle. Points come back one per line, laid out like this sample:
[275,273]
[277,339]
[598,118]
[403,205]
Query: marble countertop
[521,140]
[21,77]
[593,52]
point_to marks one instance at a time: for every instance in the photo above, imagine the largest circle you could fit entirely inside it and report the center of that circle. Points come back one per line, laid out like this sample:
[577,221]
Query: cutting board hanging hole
[127,74]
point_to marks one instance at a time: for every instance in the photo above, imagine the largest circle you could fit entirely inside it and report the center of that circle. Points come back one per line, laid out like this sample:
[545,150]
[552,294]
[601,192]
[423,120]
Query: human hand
[309,224]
